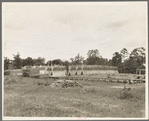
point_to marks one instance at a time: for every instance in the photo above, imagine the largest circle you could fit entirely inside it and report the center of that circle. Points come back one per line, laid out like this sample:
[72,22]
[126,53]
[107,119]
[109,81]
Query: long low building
[60,71]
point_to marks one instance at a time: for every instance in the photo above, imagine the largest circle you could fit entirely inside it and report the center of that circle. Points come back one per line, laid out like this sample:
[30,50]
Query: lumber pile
[65,84]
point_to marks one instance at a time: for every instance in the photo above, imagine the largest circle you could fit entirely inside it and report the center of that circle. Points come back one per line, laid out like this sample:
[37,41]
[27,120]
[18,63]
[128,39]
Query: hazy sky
[62,30]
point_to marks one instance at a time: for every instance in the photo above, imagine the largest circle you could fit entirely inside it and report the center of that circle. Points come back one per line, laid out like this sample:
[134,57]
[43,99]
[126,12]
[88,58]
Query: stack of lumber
[65,84]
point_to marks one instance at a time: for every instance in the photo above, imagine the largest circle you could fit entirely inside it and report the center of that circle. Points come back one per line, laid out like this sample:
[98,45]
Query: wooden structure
[61,71]
[141,69]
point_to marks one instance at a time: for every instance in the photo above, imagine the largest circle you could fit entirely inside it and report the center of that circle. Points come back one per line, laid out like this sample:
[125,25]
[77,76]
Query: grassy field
[24,97]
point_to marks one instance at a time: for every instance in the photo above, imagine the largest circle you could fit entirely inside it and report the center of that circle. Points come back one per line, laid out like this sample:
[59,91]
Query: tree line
[126,62]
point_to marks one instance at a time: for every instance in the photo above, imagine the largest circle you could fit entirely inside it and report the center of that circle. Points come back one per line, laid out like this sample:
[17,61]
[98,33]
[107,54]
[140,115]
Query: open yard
[24,96]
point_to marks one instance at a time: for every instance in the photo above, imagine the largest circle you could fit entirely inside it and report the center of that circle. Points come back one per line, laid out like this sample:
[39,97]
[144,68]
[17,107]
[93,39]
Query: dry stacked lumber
[65,84]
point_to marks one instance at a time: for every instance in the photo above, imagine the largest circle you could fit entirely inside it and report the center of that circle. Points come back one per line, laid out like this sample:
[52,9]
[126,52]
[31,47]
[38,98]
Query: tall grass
[132,95]
[39,110]
[27,98]
[8,81]
[89,106]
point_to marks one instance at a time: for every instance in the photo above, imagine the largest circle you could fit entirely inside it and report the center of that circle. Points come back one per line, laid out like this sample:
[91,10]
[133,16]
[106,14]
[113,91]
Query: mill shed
[141,70]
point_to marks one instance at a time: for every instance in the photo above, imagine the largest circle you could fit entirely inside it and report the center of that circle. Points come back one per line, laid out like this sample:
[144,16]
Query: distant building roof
[143,66]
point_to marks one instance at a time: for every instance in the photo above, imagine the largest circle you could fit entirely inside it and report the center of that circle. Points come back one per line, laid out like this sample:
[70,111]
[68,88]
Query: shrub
[125,94]
[26,72]
[6,72]
[28,67]
[133,94]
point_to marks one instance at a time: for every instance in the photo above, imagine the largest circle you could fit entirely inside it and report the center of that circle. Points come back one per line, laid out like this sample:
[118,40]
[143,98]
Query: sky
[62,30]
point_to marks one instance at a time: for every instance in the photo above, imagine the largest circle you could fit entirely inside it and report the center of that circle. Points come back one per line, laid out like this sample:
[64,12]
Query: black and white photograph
[75,60]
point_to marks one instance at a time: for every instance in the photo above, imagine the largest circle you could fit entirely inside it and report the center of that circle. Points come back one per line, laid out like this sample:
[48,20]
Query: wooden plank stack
[65,84]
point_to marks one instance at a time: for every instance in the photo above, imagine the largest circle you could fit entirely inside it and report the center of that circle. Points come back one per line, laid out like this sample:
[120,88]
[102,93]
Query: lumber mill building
[60,71]
[141,71]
